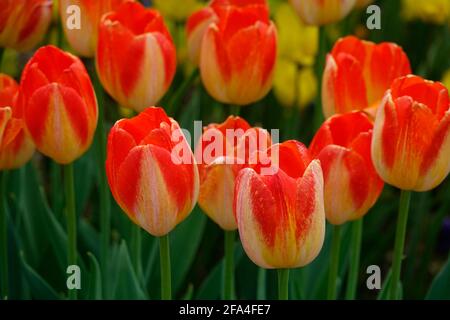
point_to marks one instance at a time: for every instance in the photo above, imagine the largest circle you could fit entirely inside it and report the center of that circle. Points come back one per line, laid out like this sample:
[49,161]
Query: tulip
[84,39]
[357,74]
[60,112]
[16,146]
[320,12]
[151,183]
[411,140]
[199,21]
[411,146]
[58,104]
[238,52]
[218,171]
[223,150]
[155,192]
[342,145]
[23,23]
[135,56]
[281,216]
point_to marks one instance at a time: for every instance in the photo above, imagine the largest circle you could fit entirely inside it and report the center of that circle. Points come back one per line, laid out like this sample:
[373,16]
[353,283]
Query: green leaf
[40,289]
[127,285]
[440,288]
[95,279]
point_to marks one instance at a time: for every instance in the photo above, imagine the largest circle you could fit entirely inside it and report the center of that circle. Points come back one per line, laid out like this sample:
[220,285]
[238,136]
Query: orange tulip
[281,217]
[320,12]
[23,23]
[136,59]
[200,20]
[58,104]
[16,146]
[84,40]
[351,184]
[357,74]
[151,183]
[219,169]
[411,137]
[238,50]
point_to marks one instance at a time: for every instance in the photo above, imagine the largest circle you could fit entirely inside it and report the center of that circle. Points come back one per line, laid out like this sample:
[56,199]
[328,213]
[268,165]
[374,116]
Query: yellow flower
[446,79]
[174,10]
[433,11]
[296,41]
[294,85]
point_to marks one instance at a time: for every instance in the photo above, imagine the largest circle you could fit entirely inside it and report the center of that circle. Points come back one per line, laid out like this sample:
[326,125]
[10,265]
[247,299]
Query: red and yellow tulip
[281,216]
[84,40]
[58,104]
[237,52]
[23,23]
[351,184]
[411,138]
[136,58]
[154,186]
[357,74]
[320,12]
[218,171]
[16,146]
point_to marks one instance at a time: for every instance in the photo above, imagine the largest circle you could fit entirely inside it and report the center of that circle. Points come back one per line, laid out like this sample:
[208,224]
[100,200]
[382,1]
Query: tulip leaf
[95,279]
[211,287]
[186,239]
[40,289]
[30,218]
[127,285]
[440,288]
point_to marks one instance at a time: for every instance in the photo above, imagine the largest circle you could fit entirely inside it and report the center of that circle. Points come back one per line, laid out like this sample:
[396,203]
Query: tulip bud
[136,59]
[322,12]
[84,39]
[224,149]
[281,217]
[411,137]
[58,104]
[358,73]
[351,184]
[23,23]
[154,186]
[238,51]
[16,146]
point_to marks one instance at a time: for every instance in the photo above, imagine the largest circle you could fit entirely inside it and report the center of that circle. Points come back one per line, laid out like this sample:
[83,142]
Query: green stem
[228,282]
[283,284]
[320,63]
[166,285]
[235,110]
[357,228]
[174,103]
[105,204]
[71,220]
[261,293]
[334,266]
[136,245]
[400,234]
[4,236]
